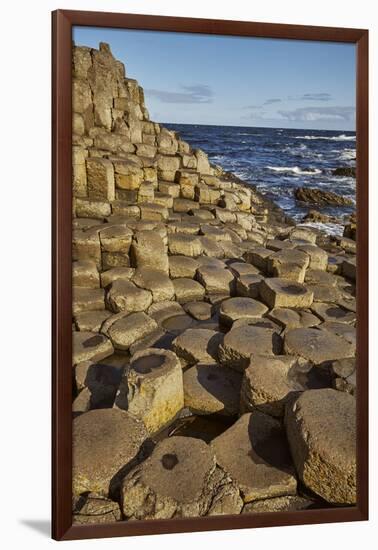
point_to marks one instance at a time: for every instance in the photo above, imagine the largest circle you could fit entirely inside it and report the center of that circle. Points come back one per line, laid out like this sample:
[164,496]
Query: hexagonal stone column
[173,481]
[152,388]
[277,292]
[242,342]
[316,345]
[210,389]
[105,442]
[198,345]
[254,453]
[289,264]
[321,429]
[240,308]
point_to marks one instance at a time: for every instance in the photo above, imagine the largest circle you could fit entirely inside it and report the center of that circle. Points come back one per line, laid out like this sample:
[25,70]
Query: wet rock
[127,330]
[317,217]
[321,431]
[240,308]
[254,453]
[198,345]
[277,292]
[152,388]
[187,290]
[212,389]
[242,342]
[316,345]
[126,296]
[105,444]
[90,346]
[172,482]
[318,196]
[348,171]
[93,508]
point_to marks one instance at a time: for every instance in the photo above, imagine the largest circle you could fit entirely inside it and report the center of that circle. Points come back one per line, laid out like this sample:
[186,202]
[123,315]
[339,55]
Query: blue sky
[202,79]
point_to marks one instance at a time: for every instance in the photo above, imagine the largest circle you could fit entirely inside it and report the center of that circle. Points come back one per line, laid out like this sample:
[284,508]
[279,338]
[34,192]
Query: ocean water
[278,160]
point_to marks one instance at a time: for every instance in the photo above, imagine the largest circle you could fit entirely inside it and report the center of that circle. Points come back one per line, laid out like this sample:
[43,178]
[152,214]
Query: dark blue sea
[278,160]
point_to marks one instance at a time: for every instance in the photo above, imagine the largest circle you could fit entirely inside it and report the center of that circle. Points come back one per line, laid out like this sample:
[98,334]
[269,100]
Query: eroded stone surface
[174,481]
[94,508]
[212,389]
[254,452]
[152,388]
[198,345]
[278,292]
[105,442]
[240,308]
[321,429]
[127,330]
[90,346]
[317,345]
[242,342]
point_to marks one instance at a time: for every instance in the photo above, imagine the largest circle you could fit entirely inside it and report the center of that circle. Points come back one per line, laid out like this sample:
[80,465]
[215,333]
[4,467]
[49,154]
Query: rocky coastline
[213,339]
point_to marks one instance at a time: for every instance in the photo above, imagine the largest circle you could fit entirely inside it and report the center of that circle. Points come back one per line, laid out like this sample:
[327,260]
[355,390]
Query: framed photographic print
[210,269]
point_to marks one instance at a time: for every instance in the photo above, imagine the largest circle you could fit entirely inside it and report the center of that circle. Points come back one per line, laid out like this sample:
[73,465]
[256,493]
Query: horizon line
[257,127]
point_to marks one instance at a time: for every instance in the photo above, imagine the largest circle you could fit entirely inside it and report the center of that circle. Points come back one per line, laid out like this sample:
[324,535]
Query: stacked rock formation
[193,299]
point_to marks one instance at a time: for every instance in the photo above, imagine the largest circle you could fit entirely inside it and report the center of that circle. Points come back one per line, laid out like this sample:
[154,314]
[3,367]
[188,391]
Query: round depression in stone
[151,362]
[178,468]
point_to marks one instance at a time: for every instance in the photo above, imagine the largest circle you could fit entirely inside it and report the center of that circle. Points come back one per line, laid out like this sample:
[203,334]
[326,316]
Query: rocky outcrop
[320,197]
[200,314]
[322,435]
[348,171]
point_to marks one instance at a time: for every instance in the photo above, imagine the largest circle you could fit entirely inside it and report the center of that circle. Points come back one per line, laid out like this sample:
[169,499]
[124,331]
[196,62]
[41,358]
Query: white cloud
[309,114]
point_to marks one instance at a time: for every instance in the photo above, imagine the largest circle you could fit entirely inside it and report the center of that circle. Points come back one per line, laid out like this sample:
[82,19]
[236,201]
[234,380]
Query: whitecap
[294,170]
[348,154]
[341,137]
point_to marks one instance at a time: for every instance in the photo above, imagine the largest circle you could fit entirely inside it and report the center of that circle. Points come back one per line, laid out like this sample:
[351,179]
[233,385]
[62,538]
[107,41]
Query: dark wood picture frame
[62,23]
